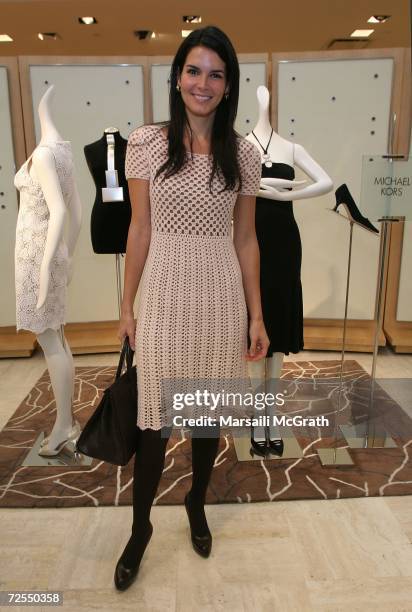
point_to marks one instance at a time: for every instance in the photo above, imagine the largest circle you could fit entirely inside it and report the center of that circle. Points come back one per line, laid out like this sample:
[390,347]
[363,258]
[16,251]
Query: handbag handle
[126,353]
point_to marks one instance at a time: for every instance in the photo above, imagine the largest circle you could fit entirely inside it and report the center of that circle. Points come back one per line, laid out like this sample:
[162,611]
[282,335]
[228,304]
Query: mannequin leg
[273,372]
[256,371]
[61,371]
[69,358]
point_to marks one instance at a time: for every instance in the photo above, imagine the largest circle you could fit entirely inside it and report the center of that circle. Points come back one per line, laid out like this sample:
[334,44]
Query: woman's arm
[247,249]
[138,241]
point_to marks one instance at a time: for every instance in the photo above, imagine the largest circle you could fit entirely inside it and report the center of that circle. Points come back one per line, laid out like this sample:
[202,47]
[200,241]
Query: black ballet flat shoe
[344,197]
[201,544]
[276,447]
[125,576]
[259,447]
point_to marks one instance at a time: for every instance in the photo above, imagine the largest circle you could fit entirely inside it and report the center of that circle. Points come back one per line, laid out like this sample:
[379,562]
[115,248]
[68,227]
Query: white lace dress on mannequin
[31,234]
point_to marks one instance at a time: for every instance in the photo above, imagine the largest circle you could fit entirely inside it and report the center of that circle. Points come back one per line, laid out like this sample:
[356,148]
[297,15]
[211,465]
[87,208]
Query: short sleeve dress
[191,317]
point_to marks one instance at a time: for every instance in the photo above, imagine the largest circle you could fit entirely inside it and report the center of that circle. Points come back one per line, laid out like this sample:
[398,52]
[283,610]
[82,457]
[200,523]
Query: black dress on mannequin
[280,262]
[109,220]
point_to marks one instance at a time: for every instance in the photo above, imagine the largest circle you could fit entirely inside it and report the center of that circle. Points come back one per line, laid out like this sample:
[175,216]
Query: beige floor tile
[357,538]
[371,594]
[280,595]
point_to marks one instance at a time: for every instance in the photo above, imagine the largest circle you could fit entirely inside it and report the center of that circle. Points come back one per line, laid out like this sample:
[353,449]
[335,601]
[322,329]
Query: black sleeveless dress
[280,262]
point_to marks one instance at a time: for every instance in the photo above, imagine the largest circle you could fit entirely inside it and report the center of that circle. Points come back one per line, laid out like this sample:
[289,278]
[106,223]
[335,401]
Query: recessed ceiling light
[143,34]
[5,38]
[361,33]
[87,20]
[47,35]
[186,33]
[192,18]
[378,18]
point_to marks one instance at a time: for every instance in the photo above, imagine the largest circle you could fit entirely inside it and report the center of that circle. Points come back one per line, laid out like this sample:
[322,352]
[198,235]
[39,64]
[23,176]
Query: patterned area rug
[312,389]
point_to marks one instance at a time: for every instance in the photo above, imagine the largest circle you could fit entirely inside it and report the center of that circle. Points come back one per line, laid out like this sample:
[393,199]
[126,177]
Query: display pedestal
[339,455]
[367,434]
[119,284]
[68,456]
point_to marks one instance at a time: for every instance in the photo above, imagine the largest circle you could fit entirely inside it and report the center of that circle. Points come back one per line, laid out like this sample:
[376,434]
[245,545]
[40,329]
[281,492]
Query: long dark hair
[224,142]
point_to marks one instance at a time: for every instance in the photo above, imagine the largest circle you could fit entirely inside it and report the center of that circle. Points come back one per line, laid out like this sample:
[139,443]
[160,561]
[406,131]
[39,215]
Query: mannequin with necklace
[280,257]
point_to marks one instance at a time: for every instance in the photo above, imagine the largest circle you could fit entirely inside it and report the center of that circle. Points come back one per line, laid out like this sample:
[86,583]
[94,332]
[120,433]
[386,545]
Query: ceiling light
[143,34]
[87,20]
[5,38]
[378,18]
[153,35]
[192,18]
[47,35]
[186,33]
[361,33]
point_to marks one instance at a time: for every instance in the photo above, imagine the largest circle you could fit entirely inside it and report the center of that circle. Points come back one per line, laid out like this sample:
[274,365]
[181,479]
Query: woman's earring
[226,95]
[178,87]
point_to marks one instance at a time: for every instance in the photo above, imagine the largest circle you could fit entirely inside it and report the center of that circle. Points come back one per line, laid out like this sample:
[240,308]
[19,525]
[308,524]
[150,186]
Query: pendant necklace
[266,156]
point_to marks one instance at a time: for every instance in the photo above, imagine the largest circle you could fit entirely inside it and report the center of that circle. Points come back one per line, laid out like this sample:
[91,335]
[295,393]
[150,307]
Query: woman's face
[202,81]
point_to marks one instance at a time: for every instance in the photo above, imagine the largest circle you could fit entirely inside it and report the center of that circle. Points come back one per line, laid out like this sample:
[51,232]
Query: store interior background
[324,95]
[322,556]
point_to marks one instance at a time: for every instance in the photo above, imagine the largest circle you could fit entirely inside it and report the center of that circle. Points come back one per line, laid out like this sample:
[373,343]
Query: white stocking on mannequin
[279,189]
[55,347]
[60,364]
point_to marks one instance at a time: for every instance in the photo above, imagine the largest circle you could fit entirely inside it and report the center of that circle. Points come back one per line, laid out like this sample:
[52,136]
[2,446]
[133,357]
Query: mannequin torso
[110,220]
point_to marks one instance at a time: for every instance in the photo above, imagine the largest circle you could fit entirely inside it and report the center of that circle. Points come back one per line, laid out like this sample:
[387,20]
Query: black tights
[148,468]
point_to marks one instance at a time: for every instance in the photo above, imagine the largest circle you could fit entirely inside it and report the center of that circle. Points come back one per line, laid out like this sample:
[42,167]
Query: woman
[186,178]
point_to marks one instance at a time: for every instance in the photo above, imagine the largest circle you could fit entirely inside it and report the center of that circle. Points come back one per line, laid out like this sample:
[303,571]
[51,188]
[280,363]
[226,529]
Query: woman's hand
[259,341]
[127,327]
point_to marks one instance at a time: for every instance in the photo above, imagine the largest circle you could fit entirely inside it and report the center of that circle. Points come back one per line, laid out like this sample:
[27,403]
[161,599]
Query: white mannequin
[56,350]
[281,150]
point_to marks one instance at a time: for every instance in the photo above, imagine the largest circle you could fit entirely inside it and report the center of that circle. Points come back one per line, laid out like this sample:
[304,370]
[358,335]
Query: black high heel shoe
[201,544]
[259,447]
[344,197]
[276,447]
[124,576]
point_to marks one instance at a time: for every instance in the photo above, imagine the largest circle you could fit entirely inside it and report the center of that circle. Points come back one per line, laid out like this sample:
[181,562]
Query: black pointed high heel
[125,576]
[344,197]
[201,544]
[276,447]
[258,447]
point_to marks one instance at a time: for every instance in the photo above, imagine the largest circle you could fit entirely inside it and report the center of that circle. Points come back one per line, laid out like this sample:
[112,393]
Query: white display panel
[160,91]
[337,110]
[251,76]
[8,207]
[88,99]
[404,309]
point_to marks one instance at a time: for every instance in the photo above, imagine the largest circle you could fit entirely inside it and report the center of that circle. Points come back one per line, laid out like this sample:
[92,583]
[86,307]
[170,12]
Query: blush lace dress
[191,310]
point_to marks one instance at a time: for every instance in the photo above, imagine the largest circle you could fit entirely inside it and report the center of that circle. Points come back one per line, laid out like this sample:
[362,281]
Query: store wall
[404,309]
[335,132]
[8,206]
[338,111]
